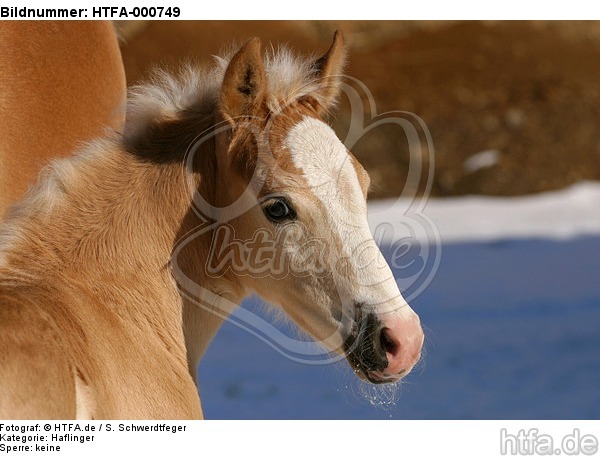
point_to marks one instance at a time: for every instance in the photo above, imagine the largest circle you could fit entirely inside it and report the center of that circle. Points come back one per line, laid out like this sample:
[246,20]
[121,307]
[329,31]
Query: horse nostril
[387,344]
[368,344]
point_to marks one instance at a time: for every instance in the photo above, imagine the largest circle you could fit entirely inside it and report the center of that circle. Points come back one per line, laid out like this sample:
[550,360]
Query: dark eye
[279,210]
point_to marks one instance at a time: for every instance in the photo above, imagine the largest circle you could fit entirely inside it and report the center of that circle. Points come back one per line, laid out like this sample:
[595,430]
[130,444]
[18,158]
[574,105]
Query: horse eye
[279,210]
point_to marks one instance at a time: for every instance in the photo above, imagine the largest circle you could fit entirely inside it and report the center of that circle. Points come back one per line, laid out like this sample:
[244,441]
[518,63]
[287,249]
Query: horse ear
[329,73]
[244,84]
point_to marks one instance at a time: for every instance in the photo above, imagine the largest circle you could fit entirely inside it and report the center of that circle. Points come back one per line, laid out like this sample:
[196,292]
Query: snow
[481,160]
[559,215]
[512,322]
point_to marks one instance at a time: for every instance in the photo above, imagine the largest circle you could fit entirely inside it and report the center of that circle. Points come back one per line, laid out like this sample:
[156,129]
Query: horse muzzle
[384,348]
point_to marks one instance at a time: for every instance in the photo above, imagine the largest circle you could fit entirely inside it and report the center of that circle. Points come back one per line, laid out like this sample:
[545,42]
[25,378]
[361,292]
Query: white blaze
[316,150]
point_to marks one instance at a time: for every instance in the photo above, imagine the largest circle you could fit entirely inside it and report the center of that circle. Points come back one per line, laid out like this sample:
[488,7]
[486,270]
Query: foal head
[303,241]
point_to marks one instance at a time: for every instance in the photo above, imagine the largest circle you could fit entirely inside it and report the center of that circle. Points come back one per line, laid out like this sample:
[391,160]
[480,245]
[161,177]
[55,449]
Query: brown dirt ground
[529,90]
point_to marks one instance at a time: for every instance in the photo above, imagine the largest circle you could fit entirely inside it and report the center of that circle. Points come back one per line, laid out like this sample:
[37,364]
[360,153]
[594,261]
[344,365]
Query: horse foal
[107,303]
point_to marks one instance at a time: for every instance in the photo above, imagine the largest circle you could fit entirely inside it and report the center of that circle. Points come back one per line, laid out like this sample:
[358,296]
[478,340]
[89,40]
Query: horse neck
[115,225]
[207,300]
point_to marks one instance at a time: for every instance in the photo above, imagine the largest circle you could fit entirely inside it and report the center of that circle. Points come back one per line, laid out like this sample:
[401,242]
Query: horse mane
[164,116]
[192,93]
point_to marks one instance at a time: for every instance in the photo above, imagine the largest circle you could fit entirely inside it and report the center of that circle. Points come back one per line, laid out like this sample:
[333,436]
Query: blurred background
[512,322]
[525,93]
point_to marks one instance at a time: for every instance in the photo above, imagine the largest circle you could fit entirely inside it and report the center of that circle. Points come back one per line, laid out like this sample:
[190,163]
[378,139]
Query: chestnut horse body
[61,83]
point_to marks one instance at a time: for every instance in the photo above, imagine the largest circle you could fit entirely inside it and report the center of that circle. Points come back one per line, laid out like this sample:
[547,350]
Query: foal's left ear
[328,71]
[244,84]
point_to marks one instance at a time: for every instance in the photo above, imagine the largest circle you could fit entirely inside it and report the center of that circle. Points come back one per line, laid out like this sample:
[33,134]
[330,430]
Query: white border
[414,438]
[372,10]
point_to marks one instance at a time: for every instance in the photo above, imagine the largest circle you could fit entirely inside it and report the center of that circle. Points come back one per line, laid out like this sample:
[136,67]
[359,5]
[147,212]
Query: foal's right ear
[244,83]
